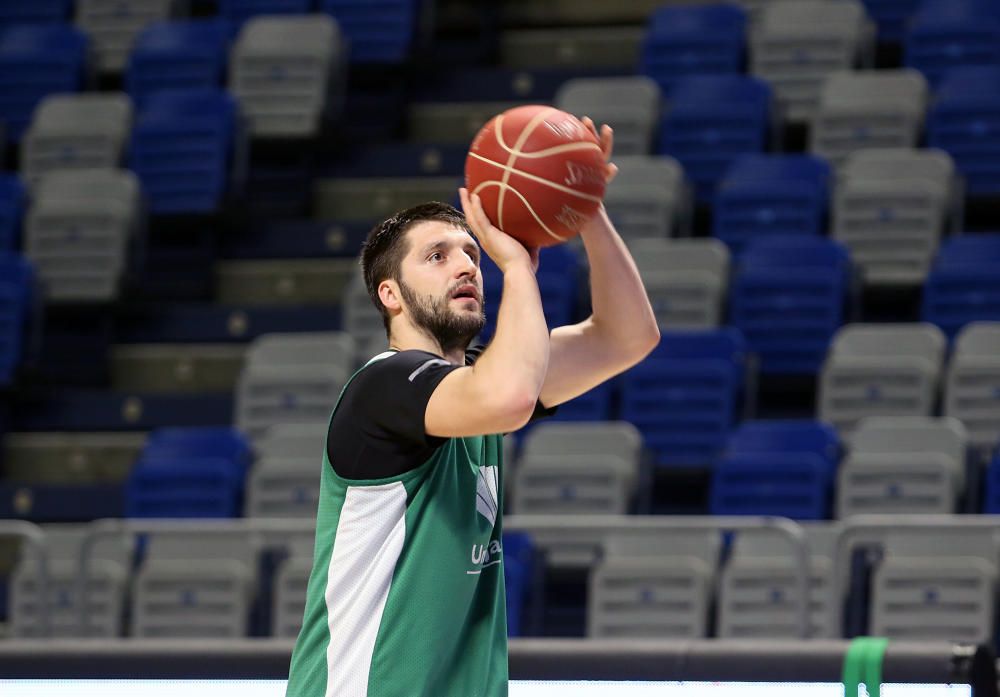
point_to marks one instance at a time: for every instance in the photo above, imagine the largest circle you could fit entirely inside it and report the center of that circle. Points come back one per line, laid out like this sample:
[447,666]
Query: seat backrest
[292,441]
[904,88]
[757,168]
[786,436]
[72,114]
[754,544]
[85,186]
[64,541]
[647,173]
[317,35]
[919,339]
[655,256]
[806,18]
[911,434]
[897,164]
[701,545]
[969,250]
[978,339]
[582,93]
[317,348]
[585,438]
[795,251]
[720,90]
[202,545]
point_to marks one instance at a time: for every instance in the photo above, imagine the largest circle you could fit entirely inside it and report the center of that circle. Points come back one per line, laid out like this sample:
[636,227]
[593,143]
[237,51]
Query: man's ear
[388,293]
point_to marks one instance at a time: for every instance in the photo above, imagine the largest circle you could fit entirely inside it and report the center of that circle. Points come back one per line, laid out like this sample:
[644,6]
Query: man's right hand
[504,250]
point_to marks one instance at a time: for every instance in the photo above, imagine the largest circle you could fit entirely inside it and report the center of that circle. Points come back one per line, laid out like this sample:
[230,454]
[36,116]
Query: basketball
[539,172]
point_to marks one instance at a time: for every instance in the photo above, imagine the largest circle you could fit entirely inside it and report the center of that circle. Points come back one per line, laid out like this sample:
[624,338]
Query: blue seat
[783,468]
[710,120]
[771,194]
[684,396]
[964,120]
[946,34]
[519,569]
[12,203]
[17,298]
[183,146]
[34,12]
[380,31]
[37,60]
[693,40]
[991,494]
[891,17]
[180,54]
[964,283]
[788,298]
[189,472]
[242,10]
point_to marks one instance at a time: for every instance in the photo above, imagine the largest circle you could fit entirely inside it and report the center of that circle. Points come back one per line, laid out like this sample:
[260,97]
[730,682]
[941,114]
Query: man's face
[442,285]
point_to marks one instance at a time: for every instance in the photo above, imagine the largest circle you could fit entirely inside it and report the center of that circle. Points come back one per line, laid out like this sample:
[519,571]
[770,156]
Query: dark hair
[383,251]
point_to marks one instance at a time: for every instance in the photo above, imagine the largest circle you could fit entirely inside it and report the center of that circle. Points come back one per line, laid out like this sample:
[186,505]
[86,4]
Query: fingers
[607,141]
[611,172]
[474,213]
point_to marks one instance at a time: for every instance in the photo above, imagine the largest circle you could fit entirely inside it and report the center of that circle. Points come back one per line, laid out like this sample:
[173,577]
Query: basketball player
[406,597]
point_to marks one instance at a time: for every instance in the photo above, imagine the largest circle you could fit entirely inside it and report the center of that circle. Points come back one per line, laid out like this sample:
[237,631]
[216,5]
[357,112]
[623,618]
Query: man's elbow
[515,407]
[646,339]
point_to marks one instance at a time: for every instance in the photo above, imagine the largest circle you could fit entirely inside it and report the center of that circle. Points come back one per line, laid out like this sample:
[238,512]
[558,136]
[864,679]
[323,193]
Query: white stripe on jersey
[368,542]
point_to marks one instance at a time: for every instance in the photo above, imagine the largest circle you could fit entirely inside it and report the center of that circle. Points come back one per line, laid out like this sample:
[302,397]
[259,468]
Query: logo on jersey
[486,493]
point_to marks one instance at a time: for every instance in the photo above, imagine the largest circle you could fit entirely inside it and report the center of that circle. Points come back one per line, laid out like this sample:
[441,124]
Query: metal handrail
[110,527]
[609,524]
[35,536]
[866,524]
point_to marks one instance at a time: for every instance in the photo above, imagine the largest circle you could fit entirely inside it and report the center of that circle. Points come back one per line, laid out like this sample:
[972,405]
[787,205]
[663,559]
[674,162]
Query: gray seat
[282,281]
[292,378]
[758,594]
[616,438]
[794,45]
[868,109]
[687,280]
[585,484]
[649,197]
[602,47]
[972,386]
[112,25]
[289,604]
[938,586]
[370,199]
[891,207]
[68,458]
[904,464]
[76,131]
[79,230]
[456,123]
[630,105]
[880,370]
[653,585]
[362,321]
[287,72]
[195,585]
[176,368]
[107,579]
[284,482]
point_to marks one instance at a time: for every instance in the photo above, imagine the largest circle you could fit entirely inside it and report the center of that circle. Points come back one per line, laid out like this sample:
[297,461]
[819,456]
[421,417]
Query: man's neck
[408,338]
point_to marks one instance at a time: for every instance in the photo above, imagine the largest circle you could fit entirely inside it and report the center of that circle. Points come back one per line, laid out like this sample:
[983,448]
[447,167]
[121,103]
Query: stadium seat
[189,473]
[710,120]
[945,34]
[12,202]
[959,122]
[70,458]
[287,73]
[113,26]
[188,150]
[92,215]
[42,11]
[292,379]
[242,10]
[76,131]
[107,581]
[653,586]
[687,280]
[991,503]
[892,18]
[795,45]
[649,197]
[175,368]
[868,109]
[761,195]
[195,585]
[758,595]
[284,482]
[789,297]
[684,397]
[880,370]
[781,468]
[17,305]
[177,55]
[631,104]
[520,562]
[935,586]
[378,32]
[362,321]
[972,385]
[964,284]
[36,61]
[693,40]
[891,208]
[290,589]
[908,464]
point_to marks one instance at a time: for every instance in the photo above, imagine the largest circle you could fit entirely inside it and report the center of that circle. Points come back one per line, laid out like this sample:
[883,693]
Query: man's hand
[503,249]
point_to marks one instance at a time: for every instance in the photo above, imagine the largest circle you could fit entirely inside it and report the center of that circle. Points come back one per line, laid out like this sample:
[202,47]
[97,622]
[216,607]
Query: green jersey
[406,595]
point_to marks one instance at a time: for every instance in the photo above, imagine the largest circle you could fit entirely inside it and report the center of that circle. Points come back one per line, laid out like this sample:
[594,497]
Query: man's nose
[466,266]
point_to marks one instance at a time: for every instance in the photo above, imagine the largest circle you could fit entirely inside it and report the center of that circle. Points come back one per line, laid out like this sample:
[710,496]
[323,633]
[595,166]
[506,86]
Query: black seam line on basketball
[522,137]
[536,178]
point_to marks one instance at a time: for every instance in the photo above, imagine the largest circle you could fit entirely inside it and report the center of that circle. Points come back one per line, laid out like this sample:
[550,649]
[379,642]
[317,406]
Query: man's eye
[436,256]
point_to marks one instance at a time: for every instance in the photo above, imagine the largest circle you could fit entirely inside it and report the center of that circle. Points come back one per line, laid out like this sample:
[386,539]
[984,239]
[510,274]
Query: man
[406,597]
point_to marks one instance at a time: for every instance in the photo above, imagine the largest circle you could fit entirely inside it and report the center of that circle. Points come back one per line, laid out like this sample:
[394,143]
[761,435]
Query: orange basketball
[539,172]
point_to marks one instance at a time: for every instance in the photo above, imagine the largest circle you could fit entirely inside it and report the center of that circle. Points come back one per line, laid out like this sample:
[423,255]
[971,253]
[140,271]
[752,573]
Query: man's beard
[450,329]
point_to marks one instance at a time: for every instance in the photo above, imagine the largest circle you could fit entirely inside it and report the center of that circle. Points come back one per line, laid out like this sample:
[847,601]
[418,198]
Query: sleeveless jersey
[406,594]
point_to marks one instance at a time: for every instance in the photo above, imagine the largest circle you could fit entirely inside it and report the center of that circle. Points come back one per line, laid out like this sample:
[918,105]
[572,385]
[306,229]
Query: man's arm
[498,394]
[620,332]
